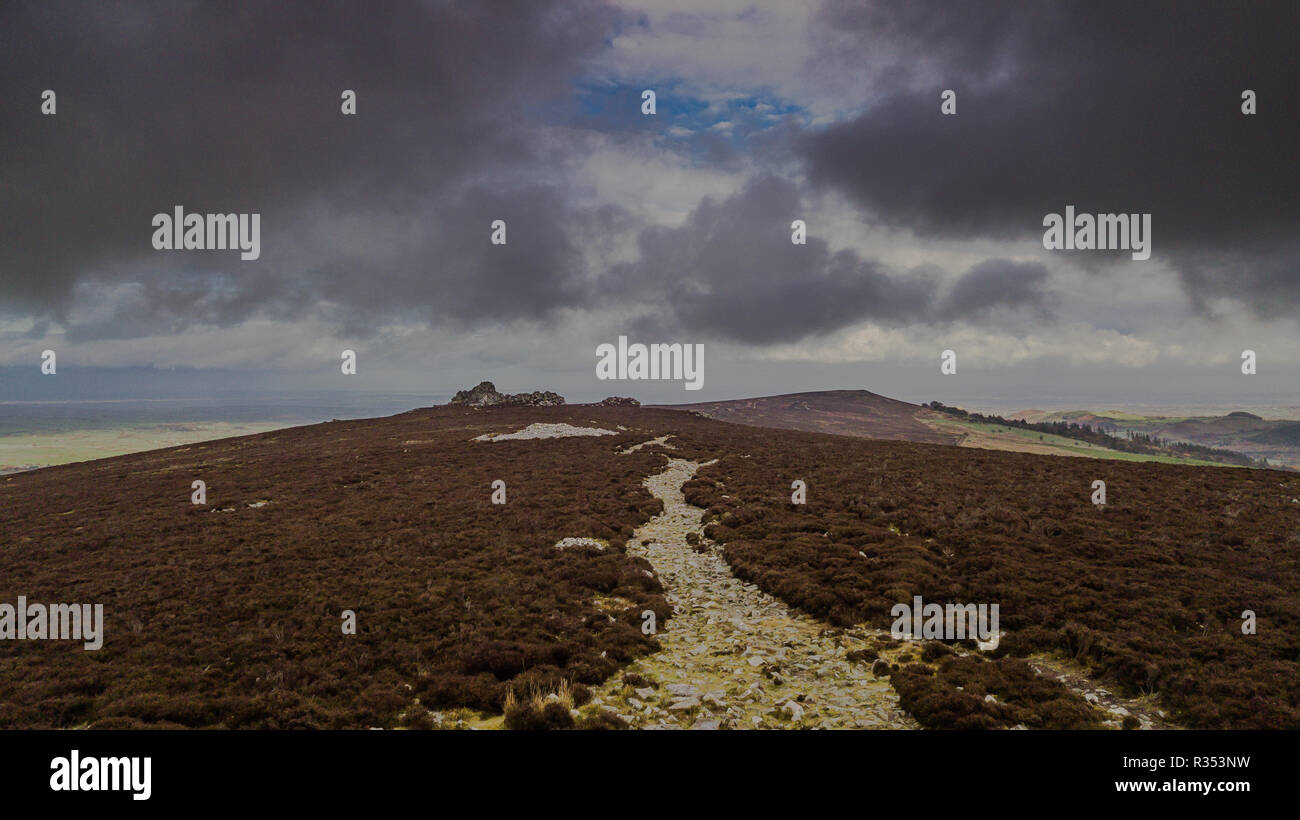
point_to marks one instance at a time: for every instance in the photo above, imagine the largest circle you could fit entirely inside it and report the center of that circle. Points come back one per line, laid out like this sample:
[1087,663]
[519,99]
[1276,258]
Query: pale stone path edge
[733,656]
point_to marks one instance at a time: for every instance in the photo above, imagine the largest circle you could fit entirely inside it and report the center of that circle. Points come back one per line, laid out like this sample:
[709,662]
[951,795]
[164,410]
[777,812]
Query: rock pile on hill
[486,395]
[618,401]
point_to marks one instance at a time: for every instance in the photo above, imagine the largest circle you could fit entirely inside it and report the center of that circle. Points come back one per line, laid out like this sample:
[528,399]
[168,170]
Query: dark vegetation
[232,618]
[1133,442]
[1148,591]
[971,692]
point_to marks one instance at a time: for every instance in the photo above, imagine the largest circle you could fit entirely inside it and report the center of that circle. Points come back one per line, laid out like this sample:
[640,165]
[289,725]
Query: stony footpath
[734,656]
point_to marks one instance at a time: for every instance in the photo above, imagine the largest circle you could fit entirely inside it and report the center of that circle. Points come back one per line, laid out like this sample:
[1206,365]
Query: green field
[26,450]
[1074,446]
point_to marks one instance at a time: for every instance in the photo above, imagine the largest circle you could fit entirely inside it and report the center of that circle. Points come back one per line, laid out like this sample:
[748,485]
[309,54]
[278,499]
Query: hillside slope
[228,614]
[841,412]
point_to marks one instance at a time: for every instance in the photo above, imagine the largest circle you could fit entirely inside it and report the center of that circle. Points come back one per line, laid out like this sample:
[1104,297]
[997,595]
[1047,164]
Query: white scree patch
[540,430]
[581,543]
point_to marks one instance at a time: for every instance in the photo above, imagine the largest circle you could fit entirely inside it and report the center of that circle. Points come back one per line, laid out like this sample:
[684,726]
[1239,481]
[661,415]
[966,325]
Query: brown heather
[1147,591]
[232,619]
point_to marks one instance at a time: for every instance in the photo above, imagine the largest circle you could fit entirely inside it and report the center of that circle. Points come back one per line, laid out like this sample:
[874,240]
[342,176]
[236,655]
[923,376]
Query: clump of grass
[541,709]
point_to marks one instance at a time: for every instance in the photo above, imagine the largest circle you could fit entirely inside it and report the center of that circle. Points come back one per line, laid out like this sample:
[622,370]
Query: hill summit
[842,412]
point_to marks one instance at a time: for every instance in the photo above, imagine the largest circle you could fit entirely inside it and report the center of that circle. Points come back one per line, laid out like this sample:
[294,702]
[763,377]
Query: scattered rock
[581,543]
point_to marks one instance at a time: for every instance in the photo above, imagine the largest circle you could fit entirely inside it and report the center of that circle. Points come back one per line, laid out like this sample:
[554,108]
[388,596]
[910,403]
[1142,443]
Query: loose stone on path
[734,657]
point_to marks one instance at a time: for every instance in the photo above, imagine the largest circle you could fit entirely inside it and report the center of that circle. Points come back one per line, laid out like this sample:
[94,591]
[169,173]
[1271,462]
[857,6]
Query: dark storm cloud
[452,270]
[1109,106]
[431,265]
[998,283]
[731,272]
[385,216]
[225,108]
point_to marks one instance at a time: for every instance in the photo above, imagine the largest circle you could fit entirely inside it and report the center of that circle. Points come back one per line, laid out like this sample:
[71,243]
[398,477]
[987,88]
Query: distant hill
[1285,434]
[843,412]
[1233,424]
[1276,439]
[1125,443]
[863,414]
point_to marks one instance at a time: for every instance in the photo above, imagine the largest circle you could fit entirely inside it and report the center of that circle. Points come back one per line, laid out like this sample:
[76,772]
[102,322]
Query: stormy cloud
[375,228]
[731,271]
[1130,107]
[237,109]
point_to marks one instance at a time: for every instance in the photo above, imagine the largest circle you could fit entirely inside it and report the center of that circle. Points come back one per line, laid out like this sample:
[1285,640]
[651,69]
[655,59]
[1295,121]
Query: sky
[924,230]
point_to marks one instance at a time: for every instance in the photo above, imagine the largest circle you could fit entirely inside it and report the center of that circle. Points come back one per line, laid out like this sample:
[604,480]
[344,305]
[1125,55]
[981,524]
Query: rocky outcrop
[618,401]
[486,395]
[537,398]
[482,396]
